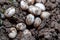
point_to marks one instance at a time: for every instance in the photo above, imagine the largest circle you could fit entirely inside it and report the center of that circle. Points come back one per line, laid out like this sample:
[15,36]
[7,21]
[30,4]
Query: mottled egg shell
[29,19]
[41,6]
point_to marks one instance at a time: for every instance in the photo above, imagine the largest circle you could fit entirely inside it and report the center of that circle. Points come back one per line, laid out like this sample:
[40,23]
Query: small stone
[58,35]
[7,23]
[58,16]
[26,37]
[48,35]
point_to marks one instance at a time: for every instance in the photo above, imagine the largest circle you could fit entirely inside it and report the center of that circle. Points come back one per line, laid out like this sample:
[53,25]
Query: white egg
[45,15]
[34,10]
[37,22]
[13,29]
[29,19]
[24,5]
[21,26]
[30,1]
[12,34]
[41,6]
[10,12]
[26,32]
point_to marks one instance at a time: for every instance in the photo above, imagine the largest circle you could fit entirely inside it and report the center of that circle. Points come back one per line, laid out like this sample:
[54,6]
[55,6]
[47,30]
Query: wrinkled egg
[45,15]
[29,19]
[10,12]
[24,5]
[26,32]
[37,22]
[13,33]
[34,10]
[21,26]
[41,6]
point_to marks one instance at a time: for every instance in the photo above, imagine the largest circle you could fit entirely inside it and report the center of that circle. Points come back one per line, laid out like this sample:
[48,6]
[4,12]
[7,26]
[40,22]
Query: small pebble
[48,35]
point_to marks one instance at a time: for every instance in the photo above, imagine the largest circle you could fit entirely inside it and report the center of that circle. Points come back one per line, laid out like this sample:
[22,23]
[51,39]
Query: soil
[48,30]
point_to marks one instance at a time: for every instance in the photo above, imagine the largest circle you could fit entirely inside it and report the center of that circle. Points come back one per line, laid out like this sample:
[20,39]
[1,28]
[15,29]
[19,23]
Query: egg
[45,15]
[13,33]
[41,6]
[23,5]
[27,32]
[34,10]
[12,29]
[9,12]
[37,22]
[29,19]
[21,26]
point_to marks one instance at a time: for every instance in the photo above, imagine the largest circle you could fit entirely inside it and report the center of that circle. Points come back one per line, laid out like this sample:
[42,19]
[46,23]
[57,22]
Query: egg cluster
[36,8]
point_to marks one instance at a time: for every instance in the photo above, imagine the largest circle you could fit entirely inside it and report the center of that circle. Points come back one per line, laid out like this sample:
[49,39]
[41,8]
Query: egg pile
[36,9]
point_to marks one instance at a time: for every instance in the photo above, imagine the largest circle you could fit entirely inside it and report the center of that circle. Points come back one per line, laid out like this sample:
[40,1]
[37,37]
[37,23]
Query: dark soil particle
[48,30]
